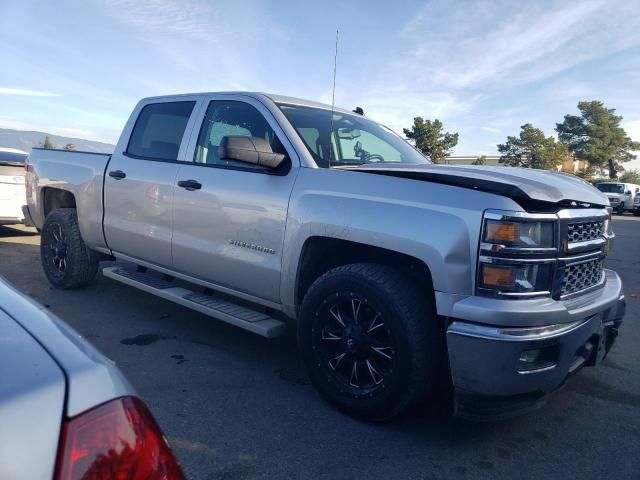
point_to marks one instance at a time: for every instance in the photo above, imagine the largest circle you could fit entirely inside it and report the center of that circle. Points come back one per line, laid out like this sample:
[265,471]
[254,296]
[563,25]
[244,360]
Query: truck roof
[260,96]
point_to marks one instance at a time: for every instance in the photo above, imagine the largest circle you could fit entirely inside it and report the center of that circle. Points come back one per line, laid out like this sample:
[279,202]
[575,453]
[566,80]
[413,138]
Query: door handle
[117,174]
[190,184]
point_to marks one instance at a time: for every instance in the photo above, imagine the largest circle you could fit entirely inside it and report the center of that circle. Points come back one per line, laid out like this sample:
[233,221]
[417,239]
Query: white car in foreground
[12,192]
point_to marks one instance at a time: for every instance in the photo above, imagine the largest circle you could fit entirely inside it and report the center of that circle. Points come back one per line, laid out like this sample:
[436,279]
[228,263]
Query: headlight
[514,254]
[519,234]
[515,278]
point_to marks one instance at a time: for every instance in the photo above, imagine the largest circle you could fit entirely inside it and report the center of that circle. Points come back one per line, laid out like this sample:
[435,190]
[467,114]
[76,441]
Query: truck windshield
[349,140]
[611,187]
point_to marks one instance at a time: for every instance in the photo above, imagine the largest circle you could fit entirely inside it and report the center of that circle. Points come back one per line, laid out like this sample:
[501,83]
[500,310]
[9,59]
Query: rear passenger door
[140,181]
[229,231]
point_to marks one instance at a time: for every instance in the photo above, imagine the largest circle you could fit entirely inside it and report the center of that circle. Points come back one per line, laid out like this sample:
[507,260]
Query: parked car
[12,192]
[636,205]
[622,196]
[397,273]
[66,411]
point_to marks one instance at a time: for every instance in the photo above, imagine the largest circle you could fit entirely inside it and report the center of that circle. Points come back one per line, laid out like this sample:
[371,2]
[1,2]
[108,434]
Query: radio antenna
[333,98]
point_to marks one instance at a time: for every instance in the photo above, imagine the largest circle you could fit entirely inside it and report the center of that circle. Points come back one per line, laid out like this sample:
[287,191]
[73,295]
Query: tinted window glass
[226,118]
[611,187]
[345,139]
[159,129]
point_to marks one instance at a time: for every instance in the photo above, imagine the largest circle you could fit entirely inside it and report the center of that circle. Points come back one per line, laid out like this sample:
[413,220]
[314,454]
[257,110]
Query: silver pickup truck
[402,278]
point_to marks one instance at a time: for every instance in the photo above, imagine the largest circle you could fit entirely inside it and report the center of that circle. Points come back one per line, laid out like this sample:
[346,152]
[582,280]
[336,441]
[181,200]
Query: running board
[243,317]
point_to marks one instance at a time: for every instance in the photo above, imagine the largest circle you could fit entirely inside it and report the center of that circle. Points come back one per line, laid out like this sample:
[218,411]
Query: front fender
[436,224]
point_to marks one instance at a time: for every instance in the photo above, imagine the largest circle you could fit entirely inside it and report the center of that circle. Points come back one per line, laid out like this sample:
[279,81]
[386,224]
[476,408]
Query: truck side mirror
[628,192]
[253,150]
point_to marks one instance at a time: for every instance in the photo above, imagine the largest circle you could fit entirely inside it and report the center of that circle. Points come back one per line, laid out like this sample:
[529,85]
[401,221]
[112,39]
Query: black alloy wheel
[370,340]
[55,249]
[66,260]
[352,344]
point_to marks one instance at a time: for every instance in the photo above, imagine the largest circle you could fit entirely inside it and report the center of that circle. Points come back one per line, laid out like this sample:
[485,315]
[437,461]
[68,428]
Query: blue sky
[483,67]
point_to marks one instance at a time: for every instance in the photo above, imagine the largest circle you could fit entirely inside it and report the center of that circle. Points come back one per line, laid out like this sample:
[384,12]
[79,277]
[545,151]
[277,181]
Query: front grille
[585,231]
[580,276]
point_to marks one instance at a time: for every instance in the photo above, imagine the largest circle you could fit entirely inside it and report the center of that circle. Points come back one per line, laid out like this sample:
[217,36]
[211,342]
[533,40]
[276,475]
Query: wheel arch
[54,198]
[320,254]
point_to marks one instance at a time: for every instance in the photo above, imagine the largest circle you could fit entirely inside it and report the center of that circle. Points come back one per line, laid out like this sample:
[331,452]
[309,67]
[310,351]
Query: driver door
[229,231]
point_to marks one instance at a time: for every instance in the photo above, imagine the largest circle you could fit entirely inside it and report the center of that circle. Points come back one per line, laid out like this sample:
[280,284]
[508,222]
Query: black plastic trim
[266,171]
[70,151]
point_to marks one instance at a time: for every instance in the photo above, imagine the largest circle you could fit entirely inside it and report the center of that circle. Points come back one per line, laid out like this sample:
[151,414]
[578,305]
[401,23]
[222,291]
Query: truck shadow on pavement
[17,231]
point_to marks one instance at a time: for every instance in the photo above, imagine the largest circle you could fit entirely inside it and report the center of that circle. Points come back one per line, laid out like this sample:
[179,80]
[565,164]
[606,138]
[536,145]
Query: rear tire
[66,260]
[371,320]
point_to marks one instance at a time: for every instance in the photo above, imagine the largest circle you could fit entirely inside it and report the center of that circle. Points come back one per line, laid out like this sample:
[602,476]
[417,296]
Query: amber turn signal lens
[501,277]
[499,232]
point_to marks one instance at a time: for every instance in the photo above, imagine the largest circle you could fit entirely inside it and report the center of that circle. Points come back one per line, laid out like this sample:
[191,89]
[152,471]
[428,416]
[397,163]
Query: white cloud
[487,44]
[213,44]
[632,128]
[490,129]
[26,92]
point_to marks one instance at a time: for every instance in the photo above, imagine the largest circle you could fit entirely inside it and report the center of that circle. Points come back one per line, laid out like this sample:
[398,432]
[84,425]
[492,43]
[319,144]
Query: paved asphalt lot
[236,406]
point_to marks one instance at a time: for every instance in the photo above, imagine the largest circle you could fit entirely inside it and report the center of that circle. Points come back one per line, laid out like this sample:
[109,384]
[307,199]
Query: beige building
[570,165]
[573,165]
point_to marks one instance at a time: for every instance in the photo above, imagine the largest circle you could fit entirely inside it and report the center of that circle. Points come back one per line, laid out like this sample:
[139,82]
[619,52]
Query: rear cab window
[159,129]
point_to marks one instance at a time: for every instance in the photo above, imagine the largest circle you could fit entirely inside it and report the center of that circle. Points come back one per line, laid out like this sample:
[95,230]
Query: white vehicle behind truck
[402,278]
[12,191]
[623,197]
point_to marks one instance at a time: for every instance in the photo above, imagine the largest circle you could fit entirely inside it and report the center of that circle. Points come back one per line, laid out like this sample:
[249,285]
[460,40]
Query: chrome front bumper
[489,376]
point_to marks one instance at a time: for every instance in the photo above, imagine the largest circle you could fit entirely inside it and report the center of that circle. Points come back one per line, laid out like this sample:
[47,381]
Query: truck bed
[81,174]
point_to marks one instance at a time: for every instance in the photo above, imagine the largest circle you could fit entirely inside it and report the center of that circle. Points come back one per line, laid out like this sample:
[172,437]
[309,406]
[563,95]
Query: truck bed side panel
[81,174]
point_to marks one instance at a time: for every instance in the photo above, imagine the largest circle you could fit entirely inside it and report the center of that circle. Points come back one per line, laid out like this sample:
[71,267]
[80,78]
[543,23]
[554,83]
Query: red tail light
[117,440]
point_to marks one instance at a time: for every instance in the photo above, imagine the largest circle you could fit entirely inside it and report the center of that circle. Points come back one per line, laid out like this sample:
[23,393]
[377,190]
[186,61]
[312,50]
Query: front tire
[66,260]
[370,340]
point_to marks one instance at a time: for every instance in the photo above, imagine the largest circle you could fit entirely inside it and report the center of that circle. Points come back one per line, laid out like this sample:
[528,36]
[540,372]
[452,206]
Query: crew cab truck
[401,277]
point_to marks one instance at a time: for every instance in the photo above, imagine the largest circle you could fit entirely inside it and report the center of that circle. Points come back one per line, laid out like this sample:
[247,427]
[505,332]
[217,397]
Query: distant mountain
[26,140]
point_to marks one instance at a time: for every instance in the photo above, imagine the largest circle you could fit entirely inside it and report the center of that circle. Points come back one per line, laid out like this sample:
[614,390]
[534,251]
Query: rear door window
[158,132]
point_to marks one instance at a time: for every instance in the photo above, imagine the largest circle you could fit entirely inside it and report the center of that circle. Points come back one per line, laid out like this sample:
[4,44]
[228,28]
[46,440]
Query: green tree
[429,138]
[630,176]
[481,160]
[596,136]
[48,143]
[531,149]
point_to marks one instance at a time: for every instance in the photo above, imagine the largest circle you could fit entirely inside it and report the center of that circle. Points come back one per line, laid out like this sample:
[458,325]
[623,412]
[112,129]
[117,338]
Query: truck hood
[520,184]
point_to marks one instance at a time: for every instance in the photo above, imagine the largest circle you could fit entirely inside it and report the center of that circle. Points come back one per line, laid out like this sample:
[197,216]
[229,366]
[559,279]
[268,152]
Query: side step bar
[243,317]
